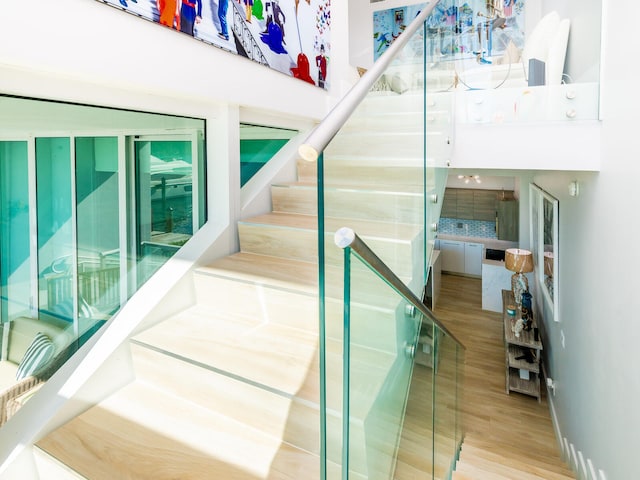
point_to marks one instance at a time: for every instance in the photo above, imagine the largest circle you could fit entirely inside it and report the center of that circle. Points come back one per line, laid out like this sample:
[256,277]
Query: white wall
[596,371]
[583,51]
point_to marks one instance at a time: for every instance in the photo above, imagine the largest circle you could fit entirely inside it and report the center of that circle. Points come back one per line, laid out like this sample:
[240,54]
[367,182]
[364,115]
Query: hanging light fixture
[468,178]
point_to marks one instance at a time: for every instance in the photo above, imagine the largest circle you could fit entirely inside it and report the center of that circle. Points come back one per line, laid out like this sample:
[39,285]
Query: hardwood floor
[513,432]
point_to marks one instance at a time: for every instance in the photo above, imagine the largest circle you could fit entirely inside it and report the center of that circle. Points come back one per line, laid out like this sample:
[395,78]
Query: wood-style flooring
[505,436]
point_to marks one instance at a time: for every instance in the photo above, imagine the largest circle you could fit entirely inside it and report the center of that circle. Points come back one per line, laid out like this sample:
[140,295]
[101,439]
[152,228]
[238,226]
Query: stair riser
[373,320]
[413,122]
[391,207]
[408,102]
[409,150]
[360,458]
[302,245]
[369,327]
[363,173]
[376,146]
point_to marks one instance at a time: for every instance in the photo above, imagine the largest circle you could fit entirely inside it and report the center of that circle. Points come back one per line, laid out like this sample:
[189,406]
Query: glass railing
[382,157]
[511,62]
[86,217]
[401,414]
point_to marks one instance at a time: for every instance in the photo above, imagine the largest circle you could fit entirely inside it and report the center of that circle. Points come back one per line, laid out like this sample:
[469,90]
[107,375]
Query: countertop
[487,242]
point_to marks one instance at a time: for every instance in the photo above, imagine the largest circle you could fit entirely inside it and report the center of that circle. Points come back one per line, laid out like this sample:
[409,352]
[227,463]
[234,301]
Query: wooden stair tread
[143,432]
[479,473]
[241,401]
[378,188]
[396,232]
[263,352]
[263,269]
[276,356]
[547,469]
[297,276]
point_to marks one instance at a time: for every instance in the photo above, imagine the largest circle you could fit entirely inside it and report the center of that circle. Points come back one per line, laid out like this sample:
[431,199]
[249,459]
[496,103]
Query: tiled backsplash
[467,228]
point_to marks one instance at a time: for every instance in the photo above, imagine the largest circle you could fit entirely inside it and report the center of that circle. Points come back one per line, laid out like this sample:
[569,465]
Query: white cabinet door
[452,256]
[473,258]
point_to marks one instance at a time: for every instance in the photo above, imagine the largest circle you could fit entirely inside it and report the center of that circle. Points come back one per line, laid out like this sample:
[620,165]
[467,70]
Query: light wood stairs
[482,460]
[229,388]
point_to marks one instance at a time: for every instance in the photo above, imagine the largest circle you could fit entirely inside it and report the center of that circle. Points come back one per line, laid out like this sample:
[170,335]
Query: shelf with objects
[523,349]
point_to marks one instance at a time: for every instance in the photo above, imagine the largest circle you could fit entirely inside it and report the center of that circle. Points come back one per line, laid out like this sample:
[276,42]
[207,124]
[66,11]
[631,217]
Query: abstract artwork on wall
[292,37]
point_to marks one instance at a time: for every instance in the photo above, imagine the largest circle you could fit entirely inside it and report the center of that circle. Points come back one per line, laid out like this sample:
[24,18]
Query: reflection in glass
[15,278]
[98,228]
[55,228]
[548,263]
[164,203]
[257,146]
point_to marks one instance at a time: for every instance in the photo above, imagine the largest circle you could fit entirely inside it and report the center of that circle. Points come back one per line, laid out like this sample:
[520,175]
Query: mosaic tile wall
[467,228]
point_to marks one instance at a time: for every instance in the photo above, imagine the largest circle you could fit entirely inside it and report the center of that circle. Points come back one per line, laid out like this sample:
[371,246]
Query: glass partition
[164,201]
[258,144]
[383,176]
[401,408]
[55,230]
[16,281]
[445,412]
[98,228]
[79,210]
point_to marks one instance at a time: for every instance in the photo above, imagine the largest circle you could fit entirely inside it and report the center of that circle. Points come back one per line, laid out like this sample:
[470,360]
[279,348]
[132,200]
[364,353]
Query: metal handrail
[347,238]
[320,136]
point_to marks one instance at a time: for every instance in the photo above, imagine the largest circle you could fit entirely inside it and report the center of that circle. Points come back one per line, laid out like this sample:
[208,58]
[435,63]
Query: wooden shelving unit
[515,348]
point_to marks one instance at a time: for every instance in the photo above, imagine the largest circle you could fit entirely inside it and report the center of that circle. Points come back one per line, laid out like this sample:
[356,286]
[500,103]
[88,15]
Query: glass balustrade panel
[445,405]
[383,334]
[383,175]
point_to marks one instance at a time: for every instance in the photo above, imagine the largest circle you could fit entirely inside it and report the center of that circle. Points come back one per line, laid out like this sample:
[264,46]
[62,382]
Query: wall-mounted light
[574,188]
[468,178]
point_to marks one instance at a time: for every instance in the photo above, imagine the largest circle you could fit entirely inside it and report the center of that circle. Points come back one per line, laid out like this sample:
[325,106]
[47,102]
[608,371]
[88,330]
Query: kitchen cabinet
[461,257]
[507,220]
[473,258]
[452,253]
[450,203]
[473,204]
[484,205]
[464,210]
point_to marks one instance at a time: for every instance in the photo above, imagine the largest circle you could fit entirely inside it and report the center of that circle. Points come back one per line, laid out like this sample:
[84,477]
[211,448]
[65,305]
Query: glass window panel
[258,145]
[15,278]
[98,228]
[55,230]
[164,197]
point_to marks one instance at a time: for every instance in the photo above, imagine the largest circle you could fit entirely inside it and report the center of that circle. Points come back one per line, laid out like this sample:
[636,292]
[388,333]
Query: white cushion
[37,356]
[557,53]
[538,42]
[399,83]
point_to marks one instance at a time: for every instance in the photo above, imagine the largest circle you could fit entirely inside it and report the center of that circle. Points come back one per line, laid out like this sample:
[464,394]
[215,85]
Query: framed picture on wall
[544,246]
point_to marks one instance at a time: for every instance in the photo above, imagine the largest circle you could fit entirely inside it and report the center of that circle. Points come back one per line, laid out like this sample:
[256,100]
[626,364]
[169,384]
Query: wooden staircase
[229,388]
[480,460]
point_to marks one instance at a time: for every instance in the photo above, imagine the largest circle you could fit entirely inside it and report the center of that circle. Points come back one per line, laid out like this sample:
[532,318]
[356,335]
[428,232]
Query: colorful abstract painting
[290,36]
